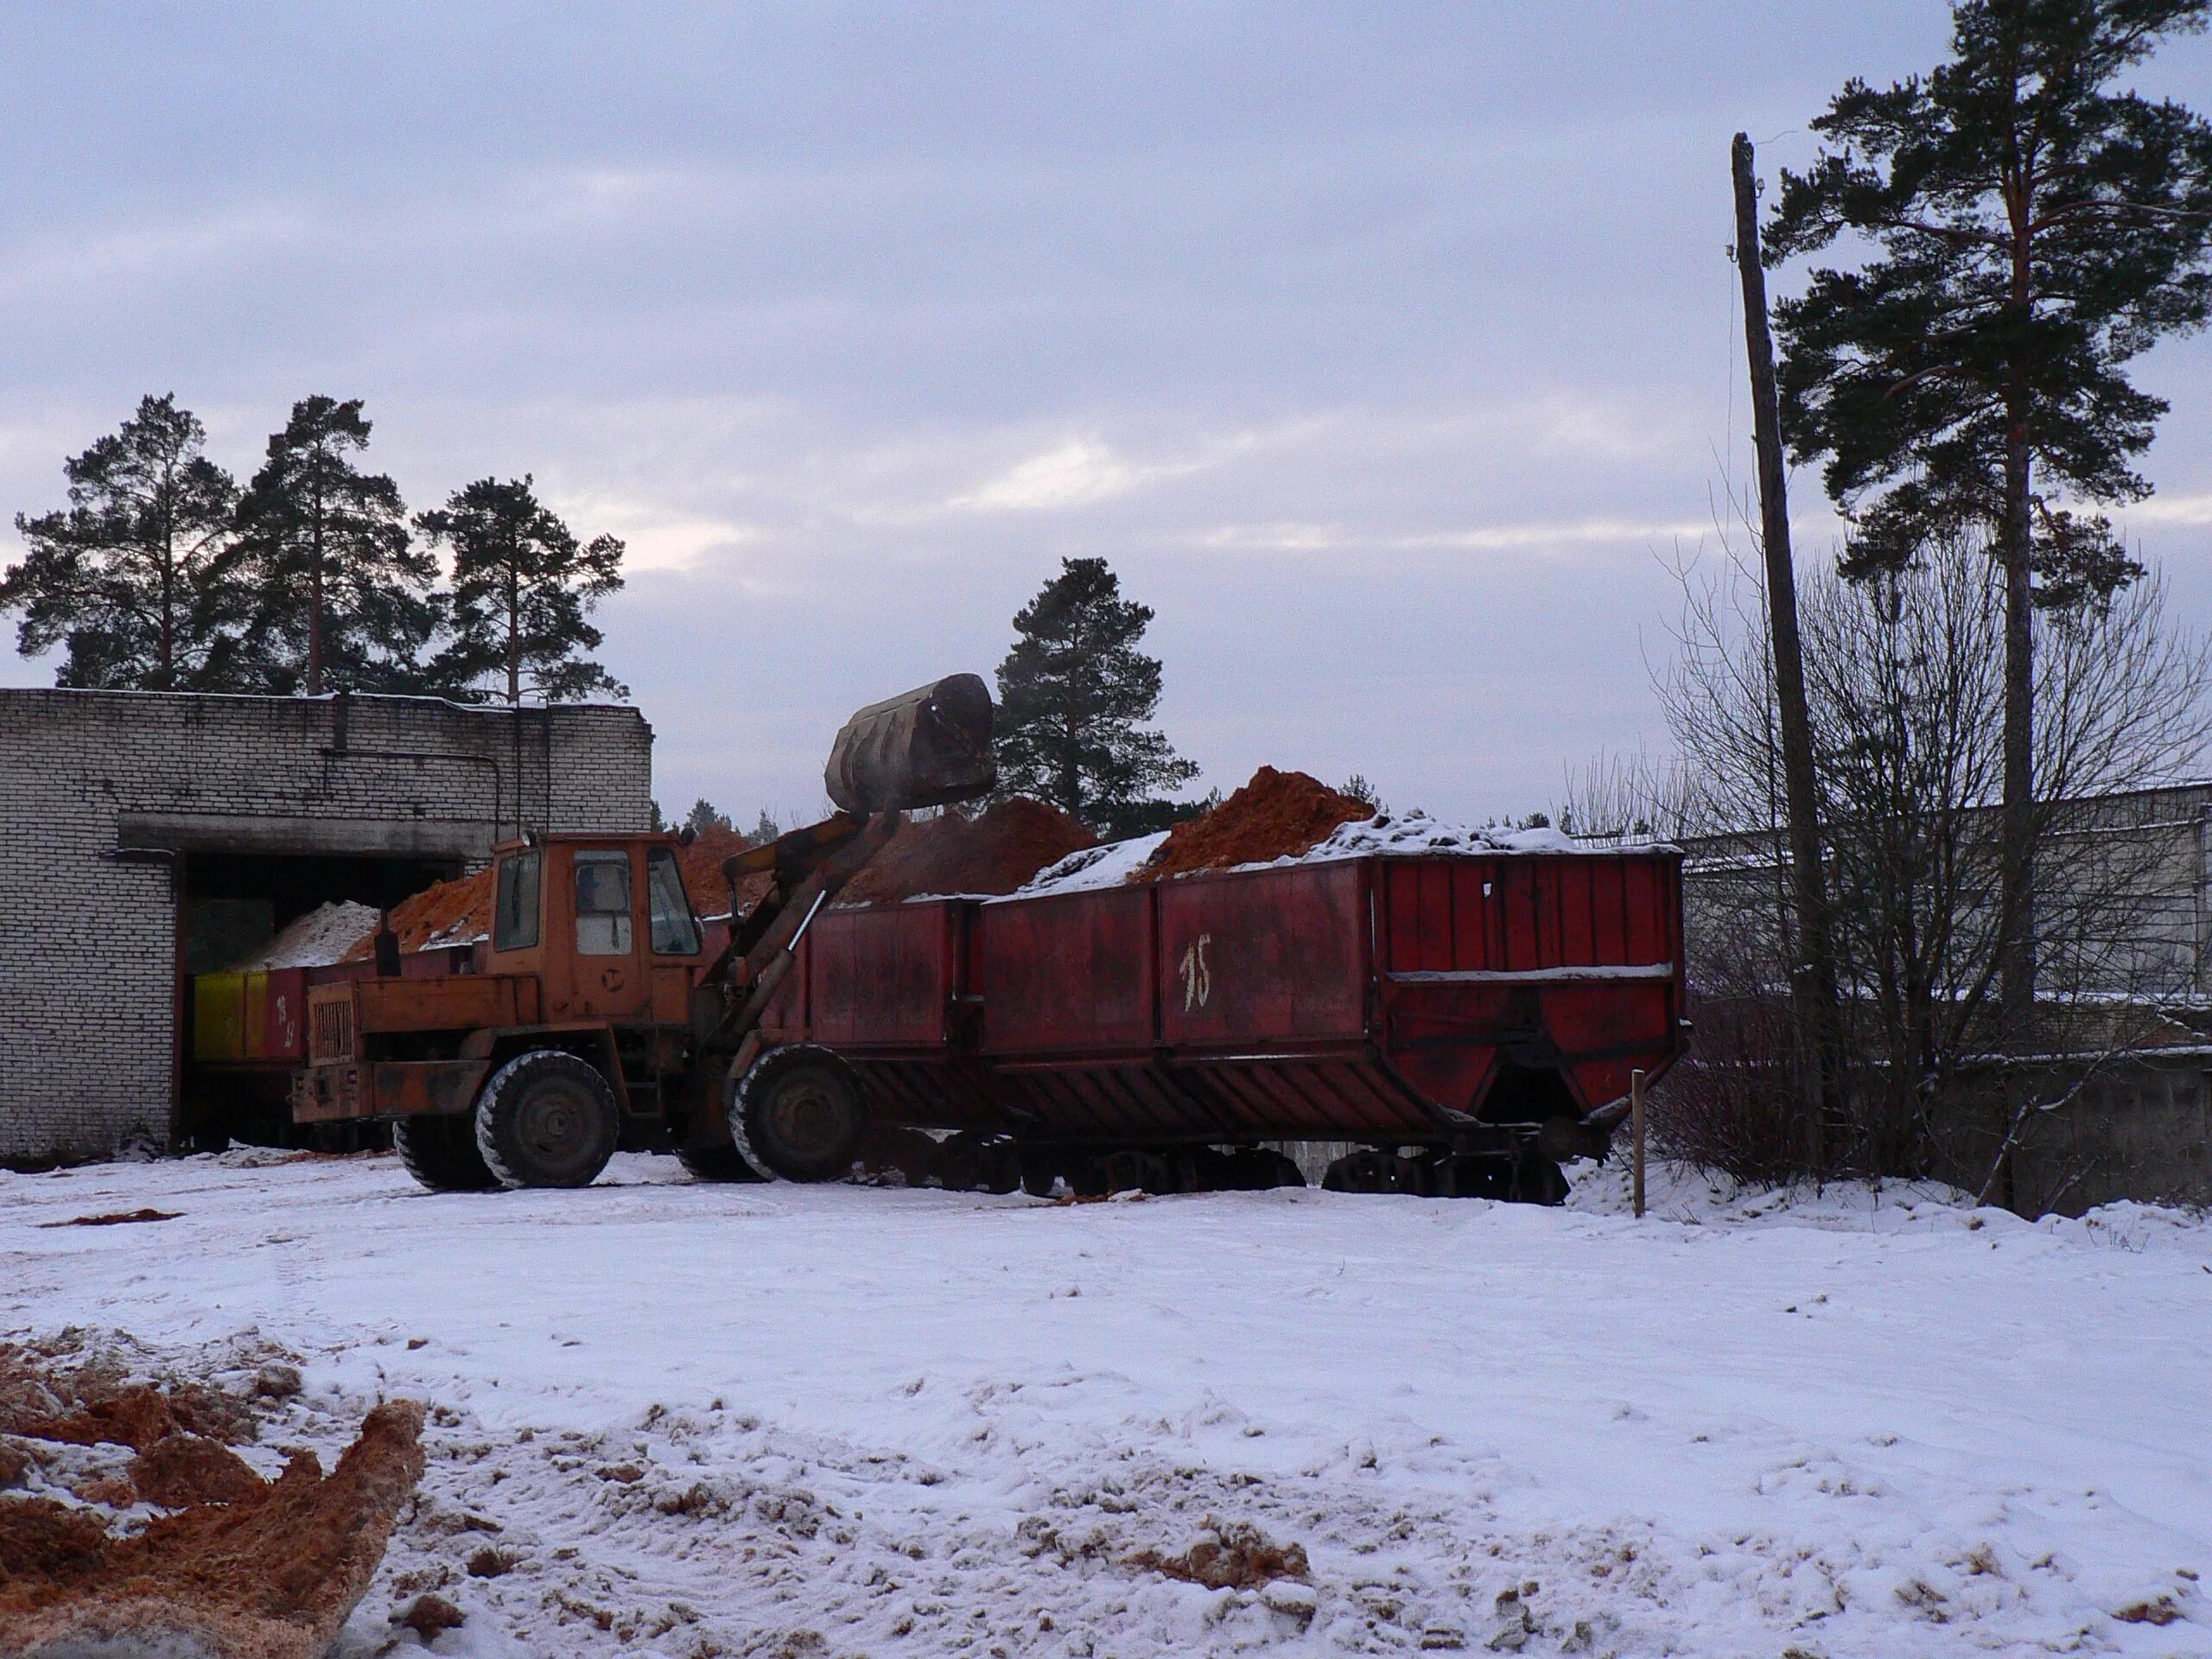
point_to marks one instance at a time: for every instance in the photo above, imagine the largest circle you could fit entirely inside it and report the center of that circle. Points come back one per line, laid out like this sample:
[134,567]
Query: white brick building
[145,834]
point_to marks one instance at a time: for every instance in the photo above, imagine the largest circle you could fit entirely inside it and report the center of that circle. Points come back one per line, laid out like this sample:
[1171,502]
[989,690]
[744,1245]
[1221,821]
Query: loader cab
[603,923]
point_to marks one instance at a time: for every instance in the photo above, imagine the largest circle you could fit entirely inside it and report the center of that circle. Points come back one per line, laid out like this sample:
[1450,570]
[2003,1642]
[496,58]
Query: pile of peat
[992,853]
[220,1562]
[1277,815]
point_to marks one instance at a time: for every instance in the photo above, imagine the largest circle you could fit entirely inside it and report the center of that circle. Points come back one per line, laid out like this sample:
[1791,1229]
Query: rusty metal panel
[424,1087]
[935,1093]
[1322,1097]
[330,1023]
[217,1017]
[323,1094]
[1109,1103]
[284,1013]
[1604,1030]
[1072,974]
[326,1093]
[1577,953]
[1572,925]
[1608,907]
[1432,918]
[253,1014]
[671,992]
[1646,916]
[883,976]
[1397,894]
[1526,914]
[1265,957]
[457,1002]
[1519,912]
[1473,917]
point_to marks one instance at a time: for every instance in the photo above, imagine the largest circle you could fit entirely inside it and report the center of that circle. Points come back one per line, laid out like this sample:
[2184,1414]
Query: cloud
[1328,538]
[1075,474]
[71,262]
[654,537]
[2190,510]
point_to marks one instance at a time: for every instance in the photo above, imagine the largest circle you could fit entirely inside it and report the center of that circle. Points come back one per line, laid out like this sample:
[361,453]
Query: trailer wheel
[1247,1169]
[1474,1175]
[1040,1171]
[716,1163]
[797,1116]
[969,1162]
[441,1153]
[1375,1171]
[1537,1179]
[546,1119]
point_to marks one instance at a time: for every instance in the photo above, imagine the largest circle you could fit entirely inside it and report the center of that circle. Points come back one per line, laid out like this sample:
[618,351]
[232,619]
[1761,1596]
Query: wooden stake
[1635,1134]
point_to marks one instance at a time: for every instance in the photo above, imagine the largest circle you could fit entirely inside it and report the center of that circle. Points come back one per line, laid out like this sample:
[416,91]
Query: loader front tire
[546,1119]
[796,1116]
[441,1153]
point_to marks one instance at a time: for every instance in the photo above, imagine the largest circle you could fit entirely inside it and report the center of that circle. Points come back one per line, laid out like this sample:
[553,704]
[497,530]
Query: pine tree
[138,578]
[522,587]
[343,598]
[702,816]
[1073,694]
[2036,230]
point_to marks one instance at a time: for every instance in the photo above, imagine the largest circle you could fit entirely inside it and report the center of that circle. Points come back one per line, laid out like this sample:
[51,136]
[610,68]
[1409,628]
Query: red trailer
[1468,1019]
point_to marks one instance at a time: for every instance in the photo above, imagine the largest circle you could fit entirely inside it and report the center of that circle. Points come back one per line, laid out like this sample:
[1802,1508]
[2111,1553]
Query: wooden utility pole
[1813,976]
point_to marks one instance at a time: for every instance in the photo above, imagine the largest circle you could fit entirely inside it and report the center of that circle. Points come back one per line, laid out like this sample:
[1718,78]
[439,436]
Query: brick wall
[102,792]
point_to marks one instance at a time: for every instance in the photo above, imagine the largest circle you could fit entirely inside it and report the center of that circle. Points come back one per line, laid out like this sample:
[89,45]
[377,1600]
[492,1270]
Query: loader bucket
[928,747]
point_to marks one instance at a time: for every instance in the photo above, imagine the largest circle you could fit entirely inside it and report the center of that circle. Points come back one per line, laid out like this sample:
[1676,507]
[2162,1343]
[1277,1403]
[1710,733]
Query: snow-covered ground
[688,1420]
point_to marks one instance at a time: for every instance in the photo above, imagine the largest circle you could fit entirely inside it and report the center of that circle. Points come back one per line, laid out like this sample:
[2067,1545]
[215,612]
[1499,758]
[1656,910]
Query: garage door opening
[236,903]
[230,906]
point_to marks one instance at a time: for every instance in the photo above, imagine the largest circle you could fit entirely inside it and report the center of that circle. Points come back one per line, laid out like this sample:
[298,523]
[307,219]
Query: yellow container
[219,1016]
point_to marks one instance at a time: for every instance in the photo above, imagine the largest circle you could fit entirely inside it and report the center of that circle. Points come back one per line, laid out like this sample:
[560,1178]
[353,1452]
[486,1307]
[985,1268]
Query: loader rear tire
[546,1119]
[441,1153]
[796,1116]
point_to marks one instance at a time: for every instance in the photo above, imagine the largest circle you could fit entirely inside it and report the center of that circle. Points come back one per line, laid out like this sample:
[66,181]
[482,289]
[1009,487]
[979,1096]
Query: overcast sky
[1388,351]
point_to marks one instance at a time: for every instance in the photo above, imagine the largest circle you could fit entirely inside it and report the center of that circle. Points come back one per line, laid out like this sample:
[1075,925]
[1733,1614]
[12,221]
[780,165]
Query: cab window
[514,918]
[602,904]
[676,933]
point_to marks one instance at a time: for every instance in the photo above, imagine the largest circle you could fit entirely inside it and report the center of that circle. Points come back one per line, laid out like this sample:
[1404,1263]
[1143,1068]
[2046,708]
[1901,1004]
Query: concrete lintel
[223,832]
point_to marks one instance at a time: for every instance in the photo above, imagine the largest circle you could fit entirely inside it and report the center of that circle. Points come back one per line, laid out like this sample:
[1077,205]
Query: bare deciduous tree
[1904,673]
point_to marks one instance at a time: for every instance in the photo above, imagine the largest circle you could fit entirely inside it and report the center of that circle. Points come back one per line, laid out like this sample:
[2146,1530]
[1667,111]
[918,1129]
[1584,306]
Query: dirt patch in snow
[92,1403]
[1233,1555]
[1277,815]
[236,1566]
[430,1617]
[992,853]
[178,1471]
[116,1219]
